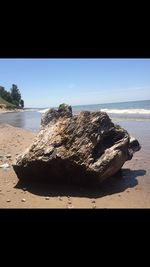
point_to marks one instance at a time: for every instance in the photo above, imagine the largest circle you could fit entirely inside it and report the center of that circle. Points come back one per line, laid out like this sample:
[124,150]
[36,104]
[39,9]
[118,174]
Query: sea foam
[127,111]
[43,110]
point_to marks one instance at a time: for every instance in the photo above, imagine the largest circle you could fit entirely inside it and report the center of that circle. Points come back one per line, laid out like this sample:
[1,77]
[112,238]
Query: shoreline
[131,189]
[2,111]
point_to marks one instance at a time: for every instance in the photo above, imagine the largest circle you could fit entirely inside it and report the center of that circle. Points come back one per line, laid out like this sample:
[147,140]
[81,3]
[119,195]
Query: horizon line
[89,104]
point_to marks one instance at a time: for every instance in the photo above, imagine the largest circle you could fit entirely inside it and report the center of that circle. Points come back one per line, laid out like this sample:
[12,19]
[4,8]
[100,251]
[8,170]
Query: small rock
[93,201]
[8,200]
[119,195]
[24,188]
[69,202]
[70,207]
[23,200]
[8,156]
[60,198]
[47,198]
[94,207]
[5,165]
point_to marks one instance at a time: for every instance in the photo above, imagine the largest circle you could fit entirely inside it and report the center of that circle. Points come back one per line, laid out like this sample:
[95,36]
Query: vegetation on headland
[4,103]
[11,99]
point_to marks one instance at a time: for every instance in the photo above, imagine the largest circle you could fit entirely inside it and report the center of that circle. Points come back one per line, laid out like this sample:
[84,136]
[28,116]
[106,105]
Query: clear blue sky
[49,82]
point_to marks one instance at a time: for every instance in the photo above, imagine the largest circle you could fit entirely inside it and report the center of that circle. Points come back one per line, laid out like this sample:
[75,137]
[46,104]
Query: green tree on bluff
[5,94]
[2,91]
[15,94]
[22,103]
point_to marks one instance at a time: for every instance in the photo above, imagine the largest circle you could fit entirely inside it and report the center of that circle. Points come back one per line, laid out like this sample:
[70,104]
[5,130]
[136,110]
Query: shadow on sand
[124,179]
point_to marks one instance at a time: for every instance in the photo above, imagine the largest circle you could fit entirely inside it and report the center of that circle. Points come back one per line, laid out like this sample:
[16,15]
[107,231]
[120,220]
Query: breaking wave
[127,111]
[43,110]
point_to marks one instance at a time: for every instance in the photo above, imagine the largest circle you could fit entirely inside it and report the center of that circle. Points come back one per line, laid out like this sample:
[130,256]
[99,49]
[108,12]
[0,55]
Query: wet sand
[129,189]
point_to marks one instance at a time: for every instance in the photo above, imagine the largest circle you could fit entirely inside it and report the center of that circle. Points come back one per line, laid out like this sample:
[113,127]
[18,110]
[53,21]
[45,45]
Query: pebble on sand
[47,198]
[24,188]
[23,200]
[69,202]
[93,201]
[8,200]
[8,156]
[5,165]
[94,207]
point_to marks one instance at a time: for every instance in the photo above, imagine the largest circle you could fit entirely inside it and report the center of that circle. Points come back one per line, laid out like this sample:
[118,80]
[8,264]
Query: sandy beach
[129,189]
[4,110]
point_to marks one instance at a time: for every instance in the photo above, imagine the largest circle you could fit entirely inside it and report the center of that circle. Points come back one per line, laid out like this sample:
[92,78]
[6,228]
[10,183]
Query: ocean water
[124,112]
[132,109]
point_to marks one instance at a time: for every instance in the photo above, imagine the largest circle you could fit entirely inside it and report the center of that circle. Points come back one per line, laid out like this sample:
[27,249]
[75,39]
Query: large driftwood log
[84,148]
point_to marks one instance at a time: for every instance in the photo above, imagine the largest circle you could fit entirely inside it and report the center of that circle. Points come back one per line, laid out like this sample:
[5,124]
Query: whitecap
[43,110]
[127,111]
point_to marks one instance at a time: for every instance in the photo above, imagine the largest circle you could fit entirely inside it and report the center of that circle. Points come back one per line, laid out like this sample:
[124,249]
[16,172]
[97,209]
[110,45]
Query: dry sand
[129,189]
